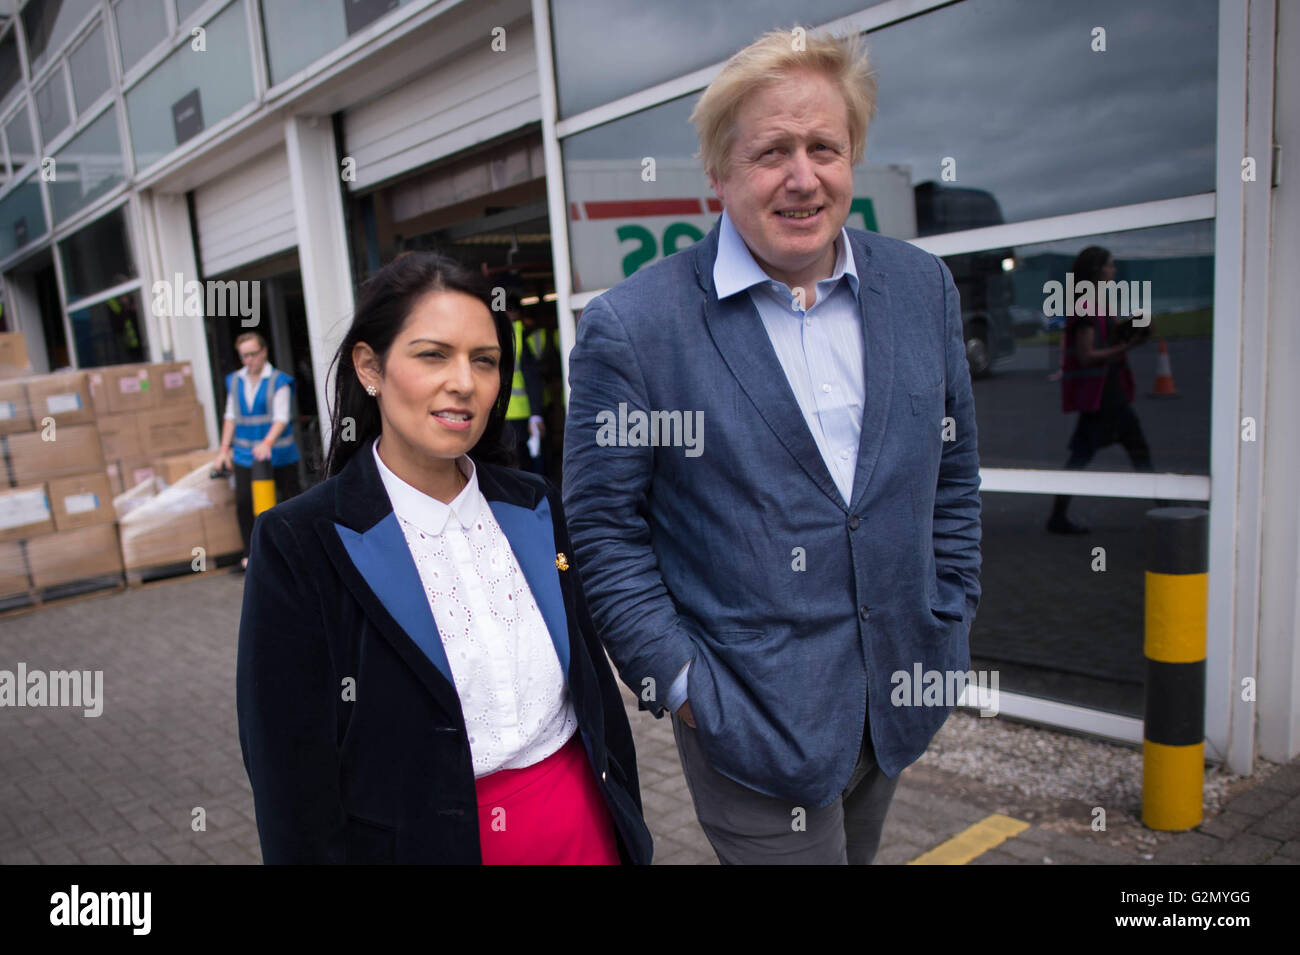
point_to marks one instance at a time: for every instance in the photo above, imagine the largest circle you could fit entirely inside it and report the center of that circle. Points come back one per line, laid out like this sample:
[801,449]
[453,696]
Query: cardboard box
[119,436]
[74,555]
[174,382]
[150,542]
[221,531]
[128,472]
[175,428]
[13,570]
[74,450]
[173,467]
[81,501]
[118,389]
[15,412]
[14,362]
[25,512]
[63,396]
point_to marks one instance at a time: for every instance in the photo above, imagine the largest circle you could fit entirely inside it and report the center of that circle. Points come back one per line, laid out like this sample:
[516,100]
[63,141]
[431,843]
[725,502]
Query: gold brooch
[561,562]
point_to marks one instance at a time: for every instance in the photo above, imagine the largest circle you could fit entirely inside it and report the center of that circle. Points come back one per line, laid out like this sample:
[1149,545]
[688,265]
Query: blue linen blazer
[349,721]
[796,608]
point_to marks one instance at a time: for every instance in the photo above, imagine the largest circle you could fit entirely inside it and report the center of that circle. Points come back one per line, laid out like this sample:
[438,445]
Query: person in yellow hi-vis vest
[258,427]
[524,414]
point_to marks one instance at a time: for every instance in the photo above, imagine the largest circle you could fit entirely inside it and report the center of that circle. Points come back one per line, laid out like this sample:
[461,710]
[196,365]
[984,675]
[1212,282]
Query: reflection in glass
[141,26]
[18,133]
[97,257]
[21,217]
[622,46]
[1051,620]
[48,24]
[88,64]
[298,32]
[1035,122]
[221,84]
[52,106]
[87,167]
[10,71]
[185,8]
[110,333]
[1019,403]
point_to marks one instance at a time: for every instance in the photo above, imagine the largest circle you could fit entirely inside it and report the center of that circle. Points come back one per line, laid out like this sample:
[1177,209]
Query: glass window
[110,333]
[299,32]
[52,106]
[97,257]
[629,45]
[18,133]
[190,91]
[1037,122]
[1012,318]
[11,73]
[87,167]
[88,65]
[21,217]
[141,26]
[48,24]
[1052,622]
[186,8]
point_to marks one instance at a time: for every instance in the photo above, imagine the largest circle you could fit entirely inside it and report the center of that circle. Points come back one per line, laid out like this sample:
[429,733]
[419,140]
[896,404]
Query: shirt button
[826,387]
[854,522]
[844,455]
[807,321]
[863,612]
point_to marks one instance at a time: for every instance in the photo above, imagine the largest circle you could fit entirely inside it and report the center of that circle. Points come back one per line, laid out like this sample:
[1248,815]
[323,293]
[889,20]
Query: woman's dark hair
[1088,264]
[386,301]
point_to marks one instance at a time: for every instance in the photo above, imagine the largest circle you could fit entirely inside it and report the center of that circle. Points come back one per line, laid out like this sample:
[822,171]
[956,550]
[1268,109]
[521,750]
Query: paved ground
[125,787]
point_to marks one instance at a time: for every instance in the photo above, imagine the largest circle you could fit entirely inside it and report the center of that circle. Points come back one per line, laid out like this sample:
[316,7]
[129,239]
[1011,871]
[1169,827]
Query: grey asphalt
[126,787]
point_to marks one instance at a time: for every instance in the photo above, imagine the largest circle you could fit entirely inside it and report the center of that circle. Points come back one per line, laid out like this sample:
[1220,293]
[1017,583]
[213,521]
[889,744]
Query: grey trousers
[748,828]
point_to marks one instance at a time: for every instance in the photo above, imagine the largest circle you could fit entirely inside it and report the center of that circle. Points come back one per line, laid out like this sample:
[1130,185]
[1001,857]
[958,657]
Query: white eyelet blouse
[512,691]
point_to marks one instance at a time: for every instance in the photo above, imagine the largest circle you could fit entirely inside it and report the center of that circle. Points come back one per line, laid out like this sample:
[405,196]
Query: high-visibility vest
[252,424]
[539,341]
[519,406]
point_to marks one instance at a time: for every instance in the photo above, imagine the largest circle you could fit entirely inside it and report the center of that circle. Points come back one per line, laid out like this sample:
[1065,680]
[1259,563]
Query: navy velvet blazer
[351,729]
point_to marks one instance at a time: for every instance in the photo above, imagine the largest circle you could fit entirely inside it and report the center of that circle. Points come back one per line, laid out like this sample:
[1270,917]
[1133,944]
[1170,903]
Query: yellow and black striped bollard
[263,486]
[1173,745]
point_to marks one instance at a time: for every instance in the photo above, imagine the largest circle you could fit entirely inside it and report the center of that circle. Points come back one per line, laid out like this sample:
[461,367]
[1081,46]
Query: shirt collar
[267,369]
[735,270]
[428,513]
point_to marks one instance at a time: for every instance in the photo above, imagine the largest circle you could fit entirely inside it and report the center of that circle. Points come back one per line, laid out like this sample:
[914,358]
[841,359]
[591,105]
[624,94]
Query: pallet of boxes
[102,479]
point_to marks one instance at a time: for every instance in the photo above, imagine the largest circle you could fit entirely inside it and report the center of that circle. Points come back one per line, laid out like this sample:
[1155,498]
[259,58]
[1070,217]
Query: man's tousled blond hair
[774,56]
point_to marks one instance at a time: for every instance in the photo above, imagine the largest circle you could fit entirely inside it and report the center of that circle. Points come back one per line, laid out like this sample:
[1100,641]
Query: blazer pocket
[928,400]
[370,842]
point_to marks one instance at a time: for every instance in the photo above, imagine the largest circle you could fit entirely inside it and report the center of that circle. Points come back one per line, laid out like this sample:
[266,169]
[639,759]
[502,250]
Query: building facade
[280,151]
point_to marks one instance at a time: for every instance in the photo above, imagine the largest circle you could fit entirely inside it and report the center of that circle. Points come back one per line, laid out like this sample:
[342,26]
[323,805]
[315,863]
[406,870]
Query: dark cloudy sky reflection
[1013,91]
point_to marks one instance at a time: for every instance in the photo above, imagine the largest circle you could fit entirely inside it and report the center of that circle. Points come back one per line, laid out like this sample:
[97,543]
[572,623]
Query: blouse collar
[428,513]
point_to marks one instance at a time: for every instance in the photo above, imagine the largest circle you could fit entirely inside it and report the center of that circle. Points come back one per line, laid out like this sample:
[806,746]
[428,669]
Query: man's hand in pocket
[685,715]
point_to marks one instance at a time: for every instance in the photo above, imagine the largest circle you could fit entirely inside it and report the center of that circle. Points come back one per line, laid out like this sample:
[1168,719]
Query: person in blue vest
[257,428]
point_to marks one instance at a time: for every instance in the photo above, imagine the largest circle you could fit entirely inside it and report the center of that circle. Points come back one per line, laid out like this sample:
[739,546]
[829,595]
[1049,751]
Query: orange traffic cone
[1164,375]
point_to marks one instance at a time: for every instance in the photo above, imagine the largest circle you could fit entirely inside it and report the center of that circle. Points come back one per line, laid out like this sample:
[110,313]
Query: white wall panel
[246,214]
[475,97]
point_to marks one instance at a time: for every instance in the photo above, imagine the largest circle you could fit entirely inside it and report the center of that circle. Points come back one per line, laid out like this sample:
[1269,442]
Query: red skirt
[550,813]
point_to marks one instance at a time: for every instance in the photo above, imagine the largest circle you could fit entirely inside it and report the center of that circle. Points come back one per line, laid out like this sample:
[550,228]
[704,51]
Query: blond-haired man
[768,591]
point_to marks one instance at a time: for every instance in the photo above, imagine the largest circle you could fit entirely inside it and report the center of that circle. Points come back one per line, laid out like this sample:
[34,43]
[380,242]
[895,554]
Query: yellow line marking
[980,838]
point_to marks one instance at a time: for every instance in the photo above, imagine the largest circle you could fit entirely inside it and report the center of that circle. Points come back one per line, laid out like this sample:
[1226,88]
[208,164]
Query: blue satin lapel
[532,538]
[384,560]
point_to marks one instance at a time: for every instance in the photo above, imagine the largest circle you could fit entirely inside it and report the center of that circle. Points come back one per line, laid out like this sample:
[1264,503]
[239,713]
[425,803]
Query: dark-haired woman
[1097,382]
[419,679]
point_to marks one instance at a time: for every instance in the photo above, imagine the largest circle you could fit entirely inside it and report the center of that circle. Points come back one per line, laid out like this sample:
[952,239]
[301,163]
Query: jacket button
[854,522]
[602,776]
[863,612]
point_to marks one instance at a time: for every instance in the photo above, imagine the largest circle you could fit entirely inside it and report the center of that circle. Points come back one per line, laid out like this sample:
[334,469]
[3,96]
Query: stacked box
[14,362]
[65,556]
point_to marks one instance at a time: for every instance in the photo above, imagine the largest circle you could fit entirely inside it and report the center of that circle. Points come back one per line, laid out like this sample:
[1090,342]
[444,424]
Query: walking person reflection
[1097,382]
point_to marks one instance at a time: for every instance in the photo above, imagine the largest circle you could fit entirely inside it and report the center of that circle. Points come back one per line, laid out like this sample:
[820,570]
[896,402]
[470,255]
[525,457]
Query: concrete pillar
[315,177]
